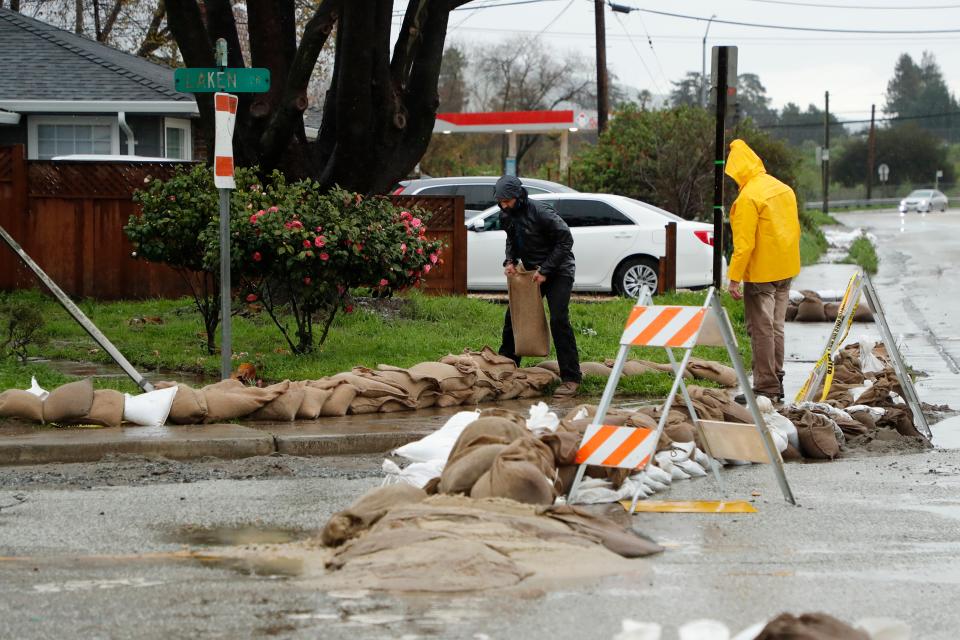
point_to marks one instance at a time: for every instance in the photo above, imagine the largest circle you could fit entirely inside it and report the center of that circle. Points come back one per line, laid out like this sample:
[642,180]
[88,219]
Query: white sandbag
[595,491]
[875,412]
[37,390]
[634,488]
[542,419]
[796,297]
[417,474]
[691,468]
[634,630]
[437,445]
[649,482]
[704,630]
[149,409]
[702,458]
[657,474]
[751,632]
[869,363]
[782,430]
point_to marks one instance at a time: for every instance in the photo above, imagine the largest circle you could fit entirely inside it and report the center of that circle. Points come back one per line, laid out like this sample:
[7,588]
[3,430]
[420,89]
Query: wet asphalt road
[874,536]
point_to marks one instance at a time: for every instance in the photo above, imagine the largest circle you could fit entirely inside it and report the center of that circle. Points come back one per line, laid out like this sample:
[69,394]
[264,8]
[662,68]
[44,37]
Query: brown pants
[765,310]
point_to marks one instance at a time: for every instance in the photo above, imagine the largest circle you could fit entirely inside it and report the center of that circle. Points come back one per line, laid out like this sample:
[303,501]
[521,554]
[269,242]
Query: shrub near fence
[69,217]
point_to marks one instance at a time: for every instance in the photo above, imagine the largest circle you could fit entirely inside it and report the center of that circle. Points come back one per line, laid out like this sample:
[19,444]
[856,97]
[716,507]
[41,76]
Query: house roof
[54,65]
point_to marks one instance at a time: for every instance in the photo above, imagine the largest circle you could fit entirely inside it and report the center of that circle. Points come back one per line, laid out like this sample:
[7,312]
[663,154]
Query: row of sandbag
[469,378]
[809,306]
[697,369]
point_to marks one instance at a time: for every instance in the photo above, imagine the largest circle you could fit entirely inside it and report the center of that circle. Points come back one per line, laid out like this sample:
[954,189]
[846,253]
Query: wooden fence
[69,217]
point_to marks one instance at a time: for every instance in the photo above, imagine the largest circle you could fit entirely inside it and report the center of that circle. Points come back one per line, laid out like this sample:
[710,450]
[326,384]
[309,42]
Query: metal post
[775,460]
[871,151]
[703,65]
[906,383]
[601,40]
[226,347]
[825,167]
[719,153]
[78,315]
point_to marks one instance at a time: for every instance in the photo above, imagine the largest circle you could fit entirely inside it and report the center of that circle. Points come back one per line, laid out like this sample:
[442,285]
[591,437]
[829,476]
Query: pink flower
[307,280]
[319,242]
[273,209]
[251,297]
[324,256]
[433,258]
[416,222]
[383,282]
[257,257]
[296,224]
[405,215]
[420,251]
[348,309]
[253,219]
[173,198]
[426,268]
[307,244]
[341,289]
[403,247]
[318,229]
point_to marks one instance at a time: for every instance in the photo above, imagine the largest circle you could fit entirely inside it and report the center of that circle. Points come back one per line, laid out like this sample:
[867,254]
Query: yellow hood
[742,163]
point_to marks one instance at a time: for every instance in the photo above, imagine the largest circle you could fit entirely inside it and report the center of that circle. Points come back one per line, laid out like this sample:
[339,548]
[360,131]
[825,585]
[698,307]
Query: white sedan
[617,242]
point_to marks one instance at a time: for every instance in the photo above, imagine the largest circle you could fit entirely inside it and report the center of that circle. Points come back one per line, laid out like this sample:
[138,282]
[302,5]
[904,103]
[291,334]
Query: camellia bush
[172,230]
[307,253]
[298,251]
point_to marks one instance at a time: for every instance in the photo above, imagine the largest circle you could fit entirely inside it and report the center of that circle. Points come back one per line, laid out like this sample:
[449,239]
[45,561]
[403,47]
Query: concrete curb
[22,444]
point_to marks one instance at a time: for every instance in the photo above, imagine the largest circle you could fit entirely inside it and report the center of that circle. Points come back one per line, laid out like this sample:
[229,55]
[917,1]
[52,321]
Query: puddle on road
[236,536]
[946,433]
[948,510]
[110,370]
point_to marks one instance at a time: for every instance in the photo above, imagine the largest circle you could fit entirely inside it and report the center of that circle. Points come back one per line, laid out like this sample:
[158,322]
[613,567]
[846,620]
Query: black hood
[508,187]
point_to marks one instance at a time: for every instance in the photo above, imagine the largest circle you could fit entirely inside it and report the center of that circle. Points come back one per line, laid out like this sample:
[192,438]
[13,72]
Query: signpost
[221,80]
[883,171]
[723,74]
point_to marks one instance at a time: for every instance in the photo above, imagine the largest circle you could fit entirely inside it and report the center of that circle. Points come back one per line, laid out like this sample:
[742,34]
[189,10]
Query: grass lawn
[413,329]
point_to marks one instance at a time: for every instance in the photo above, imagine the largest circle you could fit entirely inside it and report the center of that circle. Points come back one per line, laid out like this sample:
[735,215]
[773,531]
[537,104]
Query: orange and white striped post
[225,106]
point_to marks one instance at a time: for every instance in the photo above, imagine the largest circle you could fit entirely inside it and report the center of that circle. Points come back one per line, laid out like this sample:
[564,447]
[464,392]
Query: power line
[858,7]
[489,5]
[788,28]
[798,125]
[640,57]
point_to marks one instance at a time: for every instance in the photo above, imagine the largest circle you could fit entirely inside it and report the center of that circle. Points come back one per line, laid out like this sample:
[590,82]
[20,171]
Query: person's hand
[734,289]
[539,278]
[510,269]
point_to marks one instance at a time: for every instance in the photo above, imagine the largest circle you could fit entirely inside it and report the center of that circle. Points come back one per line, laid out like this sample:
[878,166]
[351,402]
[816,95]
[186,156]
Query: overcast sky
[795,66]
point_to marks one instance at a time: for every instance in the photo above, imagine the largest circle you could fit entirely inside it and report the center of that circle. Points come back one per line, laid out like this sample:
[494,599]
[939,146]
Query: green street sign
[239,80]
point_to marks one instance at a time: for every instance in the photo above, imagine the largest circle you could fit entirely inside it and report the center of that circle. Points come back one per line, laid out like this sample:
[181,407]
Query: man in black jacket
[541,240]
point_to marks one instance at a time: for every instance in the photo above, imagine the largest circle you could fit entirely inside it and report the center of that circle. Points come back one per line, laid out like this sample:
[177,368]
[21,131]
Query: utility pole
[871,152]
[718,160]
[602,99]
[825,158]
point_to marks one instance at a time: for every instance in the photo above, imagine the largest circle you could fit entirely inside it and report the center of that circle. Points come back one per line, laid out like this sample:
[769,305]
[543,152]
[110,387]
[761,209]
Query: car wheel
[634,273]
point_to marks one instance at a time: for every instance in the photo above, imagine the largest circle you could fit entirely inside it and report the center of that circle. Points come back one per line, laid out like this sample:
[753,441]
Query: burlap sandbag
[339,401]
[595,369]
[363,513]
[863,313]
[284,407]
[445,377]
[15,403]
[69,402]
[531,333]
[515,417]
[865,418]
[524,472]
[537,377]
[550,365]
[811,310]
[454,398]
[460,475]
[488,429]
[107,409]
[641,419]
[810,626]
[830,311]
[189,405]
[564,446]
[313,400]
[400,379]
[494,365]
[899,419]
[710,370]
[614,537]
[817,435]
[231,401]
[680,432]
[791,312]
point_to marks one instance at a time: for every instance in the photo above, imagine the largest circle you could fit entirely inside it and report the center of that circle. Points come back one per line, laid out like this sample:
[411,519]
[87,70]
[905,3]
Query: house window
[50,136]
[177,144]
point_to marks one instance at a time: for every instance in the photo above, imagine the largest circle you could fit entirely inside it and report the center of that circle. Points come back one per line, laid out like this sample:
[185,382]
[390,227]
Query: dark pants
[557,291]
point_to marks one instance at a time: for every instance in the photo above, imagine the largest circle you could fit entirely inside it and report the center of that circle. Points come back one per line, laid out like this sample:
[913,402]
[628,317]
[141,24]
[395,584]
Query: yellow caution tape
[690,506]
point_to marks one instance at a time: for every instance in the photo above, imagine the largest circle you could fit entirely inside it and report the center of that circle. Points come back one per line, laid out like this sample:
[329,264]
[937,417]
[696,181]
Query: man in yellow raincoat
[766,256]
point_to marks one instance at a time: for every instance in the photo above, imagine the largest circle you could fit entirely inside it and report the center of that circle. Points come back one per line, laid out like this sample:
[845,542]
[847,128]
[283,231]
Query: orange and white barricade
[676,327]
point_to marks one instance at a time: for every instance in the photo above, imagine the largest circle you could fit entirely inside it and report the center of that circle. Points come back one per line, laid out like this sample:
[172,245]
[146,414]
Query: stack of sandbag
[810,306]
[697,369]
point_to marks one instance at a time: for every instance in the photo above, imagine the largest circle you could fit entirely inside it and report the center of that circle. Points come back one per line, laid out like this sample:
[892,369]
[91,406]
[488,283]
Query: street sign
[883,171]
[731,91]
[212,80]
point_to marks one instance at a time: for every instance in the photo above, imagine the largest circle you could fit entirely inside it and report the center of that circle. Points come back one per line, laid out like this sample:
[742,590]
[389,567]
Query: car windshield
[921,193]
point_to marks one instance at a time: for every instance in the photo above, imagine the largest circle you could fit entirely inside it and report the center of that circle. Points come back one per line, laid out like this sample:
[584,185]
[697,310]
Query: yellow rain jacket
[764,221]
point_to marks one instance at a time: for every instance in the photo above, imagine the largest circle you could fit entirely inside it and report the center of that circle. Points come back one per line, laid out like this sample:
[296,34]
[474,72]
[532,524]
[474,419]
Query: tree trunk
[379,110]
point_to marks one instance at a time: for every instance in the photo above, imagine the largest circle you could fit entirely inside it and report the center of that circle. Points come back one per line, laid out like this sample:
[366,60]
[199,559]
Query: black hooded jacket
[536,235]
